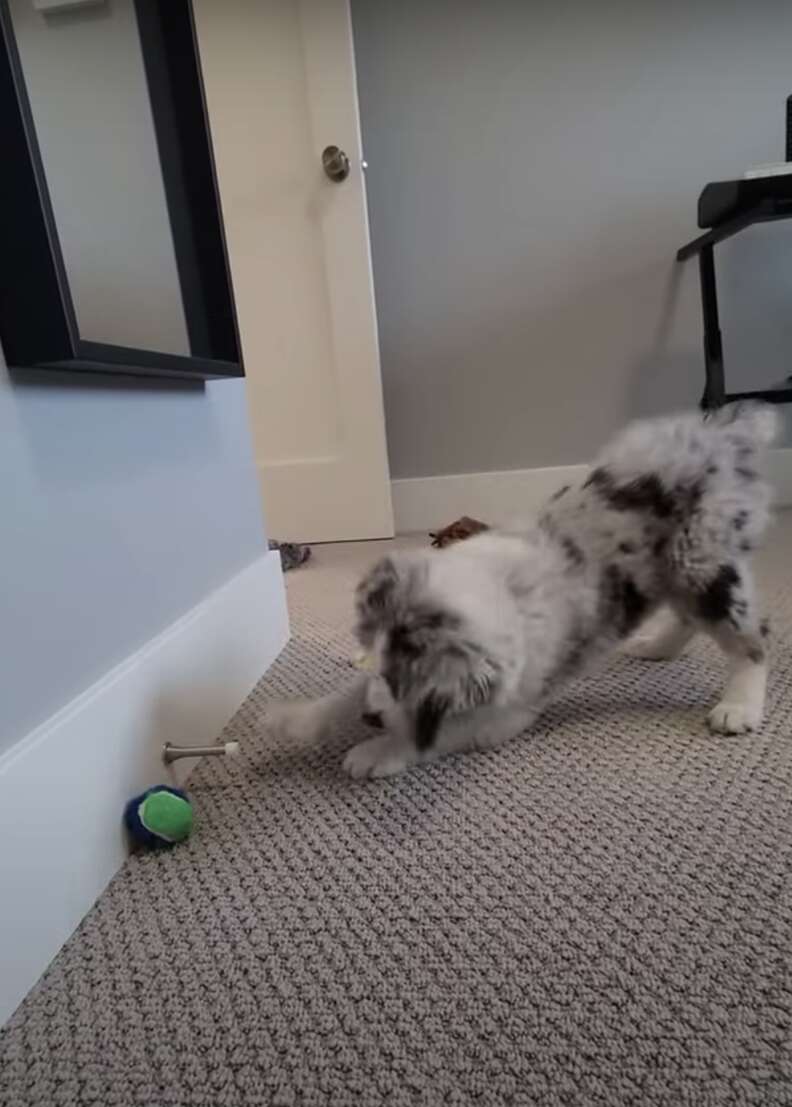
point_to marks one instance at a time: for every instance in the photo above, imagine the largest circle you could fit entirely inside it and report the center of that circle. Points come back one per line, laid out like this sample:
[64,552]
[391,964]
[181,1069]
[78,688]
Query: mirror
[85,80]
[110,93]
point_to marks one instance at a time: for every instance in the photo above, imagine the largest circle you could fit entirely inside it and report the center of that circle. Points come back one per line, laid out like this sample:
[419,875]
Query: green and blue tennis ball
[160,816]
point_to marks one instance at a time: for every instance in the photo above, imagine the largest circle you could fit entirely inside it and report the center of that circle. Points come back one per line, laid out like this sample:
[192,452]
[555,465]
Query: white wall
[87,87]
[138,602]
[123,506]
[533,167]
[138,605]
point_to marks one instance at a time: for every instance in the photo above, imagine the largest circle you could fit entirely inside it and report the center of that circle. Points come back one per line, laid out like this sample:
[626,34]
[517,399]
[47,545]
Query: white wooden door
[280,87]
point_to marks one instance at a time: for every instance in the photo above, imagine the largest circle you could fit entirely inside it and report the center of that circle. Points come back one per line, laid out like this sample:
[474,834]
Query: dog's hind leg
[662,637]
[741,707]
[726,609]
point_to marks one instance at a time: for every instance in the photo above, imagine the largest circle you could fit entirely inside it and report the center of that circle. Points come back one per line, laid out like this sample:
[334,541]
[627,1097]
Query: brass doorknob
[335,163]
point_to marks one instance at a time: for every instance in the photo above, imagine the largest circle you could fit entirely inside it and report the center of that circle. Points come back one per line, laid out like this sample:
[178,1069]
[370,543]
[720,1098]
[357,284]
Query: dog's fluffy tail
[758,424]
[733,512]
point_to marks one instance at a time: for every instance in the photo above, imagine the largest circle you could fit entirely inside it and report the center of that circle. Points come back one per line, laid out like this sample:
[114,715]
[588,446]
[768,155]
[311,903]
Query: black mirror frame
[38,323]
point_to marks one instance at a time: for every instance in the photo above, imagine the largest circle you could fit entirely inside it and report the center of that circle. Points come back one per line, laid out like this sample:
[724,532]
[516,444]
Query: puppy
[470,643]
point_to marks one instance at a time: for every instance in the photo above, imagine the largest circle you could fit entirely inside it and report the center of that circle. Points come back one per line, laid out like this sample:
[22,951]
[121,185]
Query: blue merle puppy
[471,642]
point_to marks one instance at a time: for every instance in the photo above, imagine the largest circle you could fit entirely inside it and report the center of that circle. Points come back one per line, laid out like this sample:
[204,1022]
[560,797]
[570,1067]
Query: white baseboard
[64,786]
[426,503]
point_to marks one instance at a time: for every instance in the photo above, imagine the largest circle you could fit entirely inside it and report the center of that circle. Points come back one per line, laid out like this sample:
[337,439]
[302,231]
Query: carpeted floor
[598,914]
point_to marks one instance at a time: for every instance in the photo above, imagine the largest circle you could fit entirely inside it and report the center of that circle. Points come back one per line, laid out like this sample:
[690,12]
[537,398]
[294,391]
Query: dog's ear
[375,597]
[377,586]
[460,679]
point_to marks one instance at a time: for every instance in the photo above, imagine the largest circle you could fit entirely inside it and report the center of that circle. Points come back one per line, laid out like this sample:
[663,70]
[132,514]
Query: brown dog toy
[457,531]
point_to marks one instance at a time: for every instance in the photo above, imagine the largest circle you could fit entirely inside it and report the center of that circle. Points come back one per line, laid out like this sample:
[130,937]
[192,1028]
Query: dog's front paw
[297,722]
[376,757]
[735,718]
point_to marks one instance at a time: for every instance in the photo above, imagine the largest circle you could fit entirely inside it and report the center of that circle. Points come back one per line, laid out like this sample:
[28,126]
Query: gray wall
[532,168]
[87,88]
[121,507]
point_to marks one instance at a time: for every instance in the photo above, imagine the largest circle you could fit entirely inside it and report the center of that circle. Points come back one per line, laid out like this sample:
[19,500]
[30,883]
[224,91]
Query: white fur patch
[661,638]
[742,707]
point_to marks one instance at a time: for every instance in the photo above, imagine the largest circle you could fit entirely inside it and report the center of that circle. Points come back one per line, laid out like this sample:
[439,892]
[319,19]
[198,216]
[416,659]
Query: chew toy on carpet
[292,554]
[458,531]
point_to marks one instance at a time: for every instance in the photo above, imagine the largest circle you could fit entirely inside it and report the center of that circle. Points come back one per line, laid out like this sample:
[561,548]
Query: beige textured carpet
[598,914]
